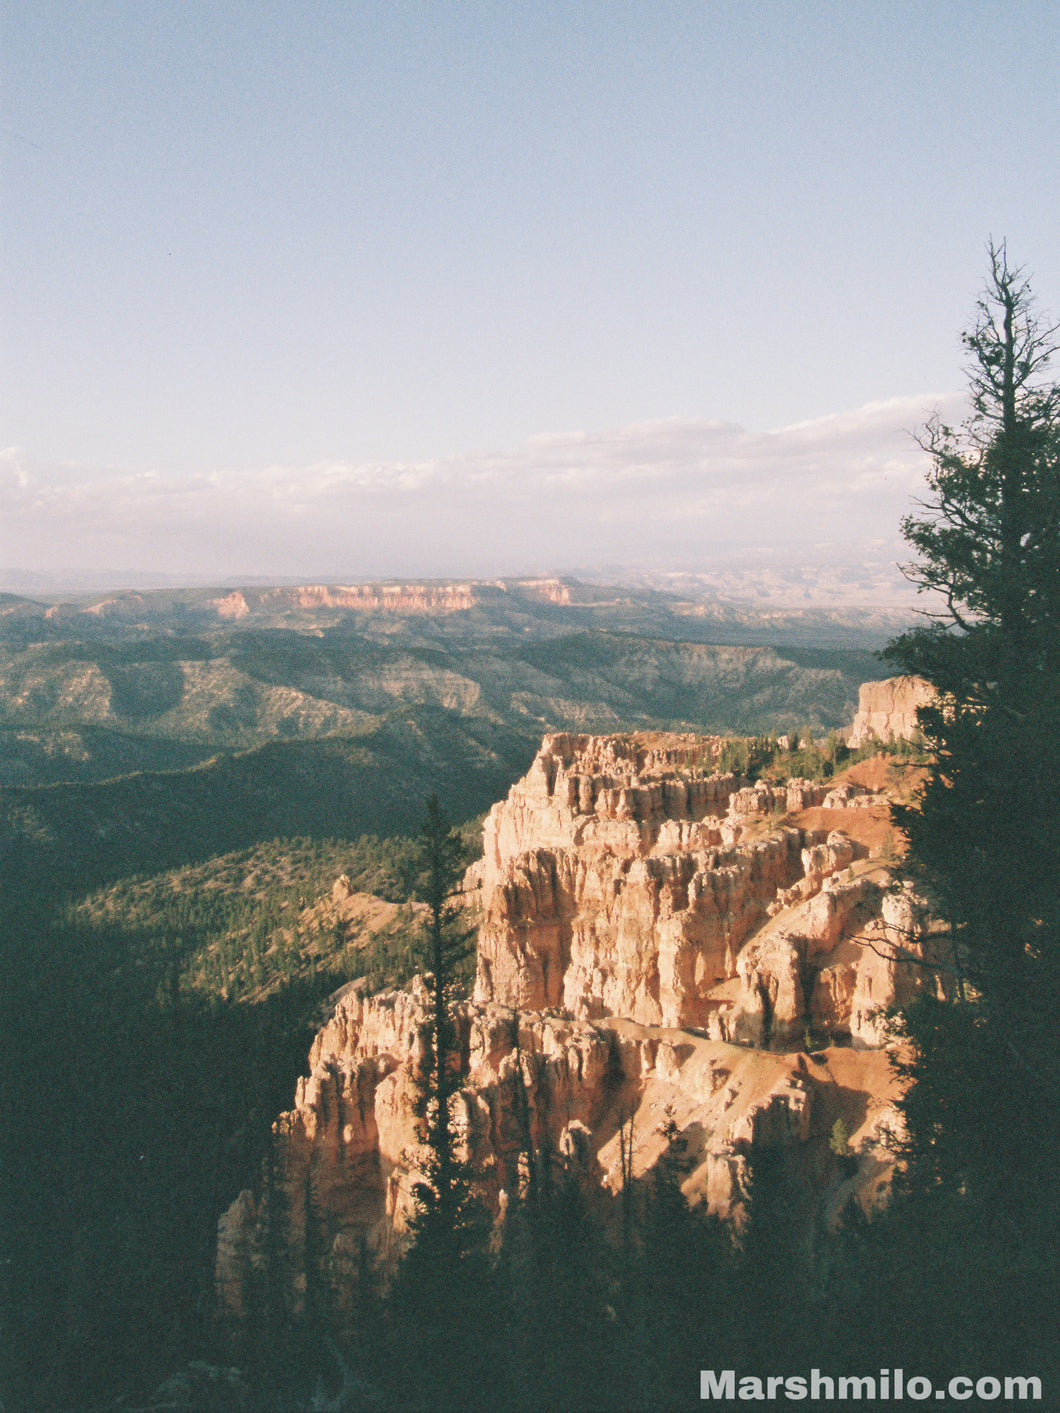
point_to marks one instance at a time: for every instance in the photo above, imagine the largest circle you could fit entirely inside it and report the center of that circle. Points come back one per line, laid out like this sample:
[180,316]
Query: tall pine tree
[989,546]
[441,1299]
[981,1178]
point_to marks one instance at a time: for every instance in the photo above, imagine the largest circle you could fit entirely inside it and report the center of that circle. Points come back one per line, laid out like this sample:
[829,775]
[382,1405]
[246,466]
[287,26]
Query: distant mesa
[406,597]
[700,608]
[387,597]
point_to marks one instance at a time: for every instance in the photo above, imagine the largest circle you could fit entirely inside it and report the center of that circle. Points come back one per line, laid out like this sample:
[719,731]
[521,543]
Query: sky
[345,290]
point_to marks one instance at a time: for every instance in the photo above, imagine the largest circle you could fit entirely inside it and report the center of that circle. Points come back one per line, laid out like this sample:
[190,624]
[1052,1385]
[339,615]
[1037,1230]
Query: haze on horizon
[496,288]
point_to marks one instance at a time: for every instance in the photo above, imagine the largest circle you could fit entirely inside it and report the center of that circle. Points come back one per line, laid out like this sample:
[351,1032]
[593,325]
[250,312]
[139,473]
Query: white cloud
[663,492]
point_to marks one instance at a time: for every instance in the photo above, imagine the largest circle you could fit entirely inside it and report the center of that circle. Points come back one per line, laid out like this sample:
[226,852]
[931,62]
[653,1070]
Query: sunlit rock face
[621,877]
[339,1188]
[656,939]
[888,709]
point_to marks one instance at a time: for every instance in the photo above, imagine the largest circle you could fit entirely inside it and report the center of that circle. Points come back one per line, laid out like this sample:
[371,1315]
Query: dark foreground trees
[445,1227]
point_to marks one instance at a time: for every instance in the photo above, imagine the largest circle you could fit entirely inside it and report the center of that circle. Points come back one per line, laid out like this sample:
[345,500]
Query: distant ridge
[681,607]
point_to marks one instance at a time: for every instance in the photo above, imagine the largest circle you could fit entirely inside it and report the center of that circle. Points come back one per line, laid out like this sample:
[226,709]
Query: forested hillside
[144,731]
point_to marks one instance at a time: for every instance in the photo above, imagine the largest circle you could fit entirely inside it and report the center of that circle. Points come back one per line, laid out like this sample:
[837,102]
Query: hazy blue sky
[344,289]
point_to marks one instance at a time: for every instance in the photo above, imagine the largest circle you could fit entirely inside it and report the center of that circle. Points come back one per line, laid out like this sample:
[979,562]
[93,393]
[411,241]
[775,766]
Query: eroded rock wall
[620,879]
[888,709]
[339,1187]
[655,940]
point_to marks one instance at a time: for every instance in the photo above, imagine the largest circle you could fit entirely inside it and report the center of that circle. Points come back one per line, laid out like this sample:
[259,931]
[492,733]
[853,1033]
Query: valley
[142,730]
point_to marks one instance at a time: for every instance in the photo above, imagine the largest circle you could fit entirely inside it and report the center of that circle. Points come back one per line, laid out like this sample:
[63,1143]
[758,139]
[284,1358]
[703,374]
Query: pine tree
[989,545]
[440,1302]
[444,1196]
[980,1188]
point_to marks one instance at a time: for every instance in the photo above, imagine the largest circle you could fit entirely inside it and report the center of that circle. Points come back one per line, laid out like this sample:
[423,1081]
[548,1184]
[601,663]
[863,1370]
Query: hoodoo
[655,937]
[888,709]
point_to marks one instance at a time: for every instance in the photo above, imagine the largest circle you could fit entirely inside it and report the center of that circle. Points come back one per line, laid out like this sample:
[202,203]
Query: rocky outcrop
[619,878]
[339,1187]
[339,1184]
[888,709]
[656,940]
[605,884]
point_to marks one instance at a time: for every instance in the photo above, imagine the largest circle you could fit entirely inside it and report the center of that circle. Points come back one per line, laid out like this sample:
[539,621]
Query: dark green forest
[152,1031]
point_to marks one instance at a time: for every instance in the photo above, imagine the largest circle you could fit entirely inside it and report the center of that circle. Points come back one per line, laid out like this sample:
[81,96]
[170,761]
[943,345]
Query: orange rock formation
[655,939]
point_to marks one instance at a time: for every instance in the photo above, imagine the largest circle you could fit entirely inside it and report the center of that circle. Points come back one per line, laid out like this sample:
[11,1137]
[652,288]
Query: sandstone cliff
[655,938]
[888,708]
[346,1156]
[620,879]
